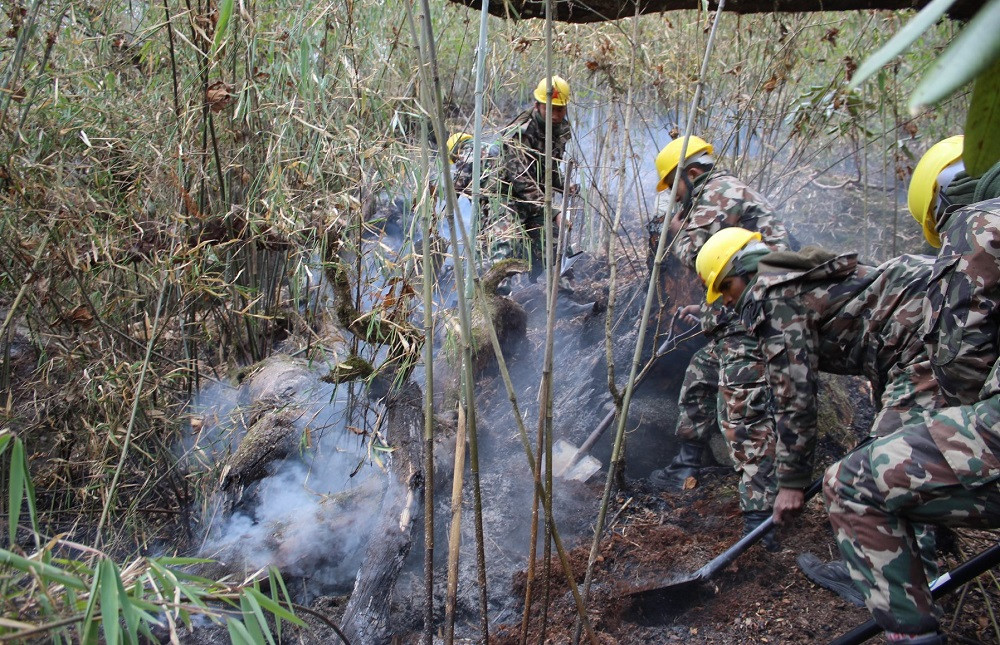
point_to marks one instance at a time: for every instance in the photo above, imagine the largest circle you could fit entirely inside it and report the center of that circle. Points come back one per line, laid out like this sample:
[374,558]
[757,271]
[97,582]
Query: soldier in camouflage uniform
[724,385]
[515,189]
[960,312]
[942,469]
[815,311]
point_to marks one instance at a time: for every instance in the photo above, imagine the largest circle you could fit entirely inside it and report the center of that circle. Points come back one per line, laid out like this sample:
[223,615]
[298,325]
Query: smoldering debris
[298,468]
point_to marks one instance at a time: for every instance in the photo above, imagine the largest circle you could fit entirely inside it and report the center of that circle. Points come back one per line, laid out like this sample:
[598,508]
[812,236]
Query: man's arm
[789,343]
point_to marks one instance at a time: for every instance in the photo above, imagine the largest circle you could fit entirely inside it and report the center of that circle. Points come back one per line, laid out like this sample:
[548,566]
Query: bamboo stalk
[644,321]
[455,532]
[427,211]
[544,389]
[477,135]
[429,56]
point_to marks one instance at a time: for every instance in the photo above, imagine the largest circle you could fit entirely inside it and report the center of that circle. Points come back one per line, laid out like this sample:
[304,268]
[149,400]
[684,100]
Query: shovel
[720,561]
[573,463]
[944,585]
[725,558]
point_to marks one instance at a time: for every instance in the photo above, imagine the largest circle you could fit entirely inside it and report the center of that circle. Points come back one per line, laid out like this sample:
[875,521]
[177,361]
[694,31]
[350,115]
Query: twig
[329,623]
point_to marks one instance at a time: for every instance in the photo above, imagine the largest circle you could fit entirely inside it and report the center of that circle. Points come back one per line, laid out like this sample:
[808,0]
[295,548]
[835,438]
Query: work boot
[753,519]
[929,638]
[685,463]
[831,575]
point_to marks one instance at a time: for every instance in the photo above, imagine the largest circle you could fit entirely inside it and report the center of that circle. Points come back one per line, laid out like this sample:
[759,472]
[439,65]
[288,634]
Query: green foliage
[974,50]
[19,487]
[222,27]
[973,55]
[104,603]
[982,145]
[906,36]
[101,602]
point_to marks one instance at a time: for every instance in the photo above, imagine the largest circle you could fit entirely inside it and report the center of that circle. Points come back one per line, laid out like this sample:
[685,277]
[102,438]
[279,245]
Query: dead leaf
[219,96]
[771,83]
[850,66]
[81,316]
[521,44]
[690,483]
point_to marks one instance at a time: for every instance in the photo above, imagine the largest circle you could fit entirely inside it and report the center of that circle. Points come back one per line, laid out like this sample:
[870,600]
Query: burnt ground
[761,598]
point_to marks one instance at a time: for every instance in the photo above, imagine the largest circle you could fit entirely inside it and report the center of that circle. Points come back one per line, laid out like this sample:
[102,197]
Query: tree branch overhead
[587,11]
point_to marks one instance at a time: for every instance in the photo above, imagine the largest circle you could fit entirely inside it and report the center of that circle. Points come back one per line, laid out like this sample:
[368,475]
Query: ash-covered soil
[761,598]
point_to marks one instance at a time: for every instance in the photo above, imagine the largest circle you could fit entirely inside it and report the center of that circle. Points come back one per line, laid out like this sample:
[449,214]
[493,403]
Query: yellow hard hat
[714,258]
[670,156]
[560,91]
[454,141]
[922,194]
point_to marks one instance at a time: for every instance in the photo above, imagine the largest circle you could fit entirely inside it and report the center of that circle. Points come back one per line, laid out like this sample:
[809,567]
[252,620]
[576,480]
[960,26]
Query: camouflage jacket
[814,311]
[722,201]
[962,308]
[522,177]
[489,162]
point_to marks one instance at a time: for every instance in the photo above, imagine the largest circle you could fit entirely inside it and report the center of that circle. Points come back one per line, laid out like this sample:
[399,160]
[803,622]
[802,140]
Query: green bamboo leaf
[131,615]
[225,13]
[5,439]
[29,492]
[249,622]
[238,634]
[305,59]
[16,492]
[89,624]
[46,572]
[923,21]
[109,601]
[971,53]
[259,615]
[274,607]
[193,595]
[982,124]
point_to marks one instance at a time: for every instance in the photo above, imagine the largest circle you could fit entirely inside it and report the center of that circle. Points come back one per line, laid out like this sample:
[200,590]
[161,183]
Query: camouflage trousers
[511,236]
[879,496]
[725,387]
[910,393]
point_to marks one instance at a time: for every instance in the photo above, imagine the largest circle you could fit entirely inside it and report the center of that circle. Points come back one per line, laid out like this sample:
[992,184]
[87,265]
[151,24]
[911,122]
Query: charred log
[588,11]
[366,618]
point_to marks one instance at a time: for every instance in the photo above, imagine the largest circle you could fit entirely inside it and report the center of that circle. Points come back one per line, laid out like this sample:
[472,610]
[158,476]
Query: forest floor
[761,598]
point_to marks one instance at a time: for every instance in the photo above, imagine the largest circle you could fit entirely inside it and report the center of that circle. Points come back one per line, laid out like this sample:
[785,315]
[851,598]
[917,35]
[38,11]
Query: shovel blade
[563,453]
[662,585]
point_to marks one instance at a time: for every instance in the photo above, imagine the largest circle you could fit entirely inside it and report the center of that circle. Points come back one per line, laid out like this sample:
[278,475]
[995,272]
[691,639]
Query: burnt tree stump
[366,617]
